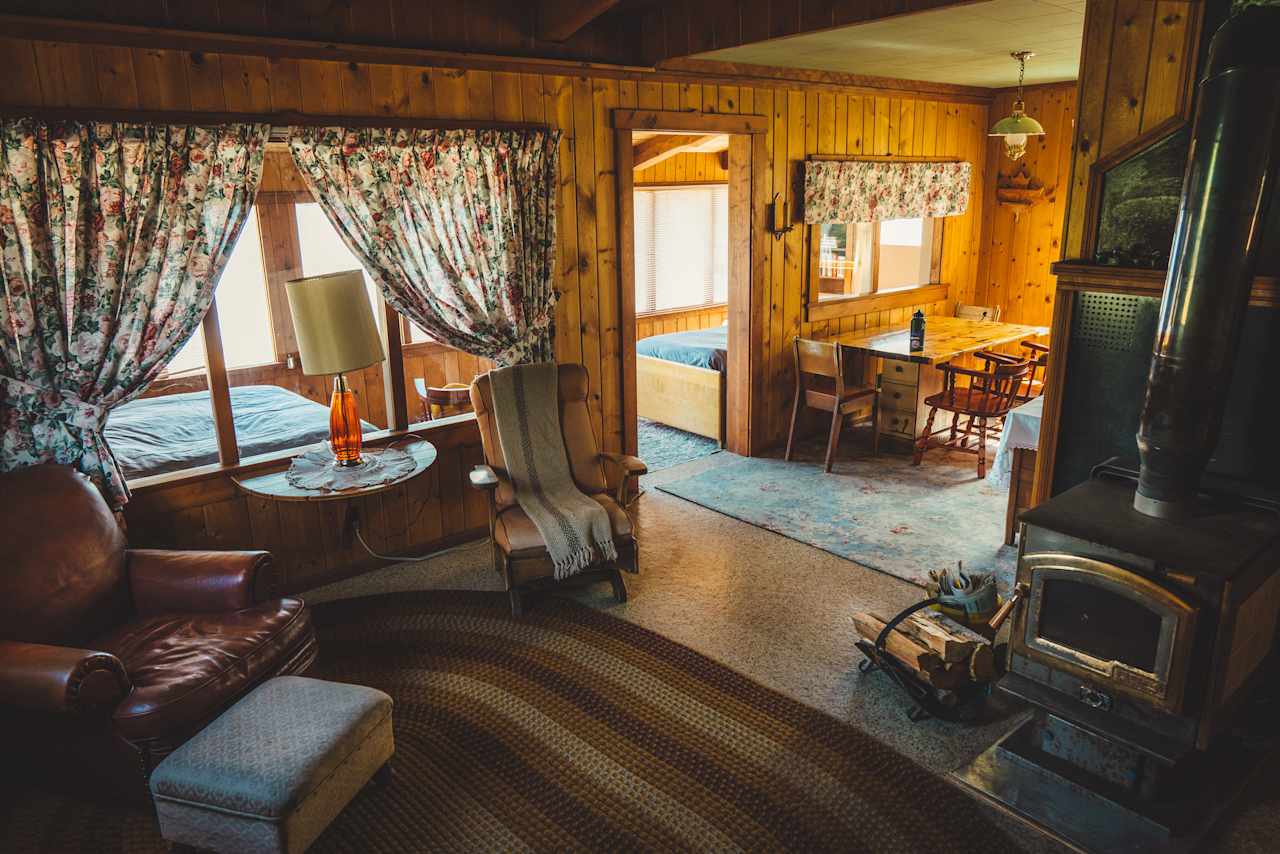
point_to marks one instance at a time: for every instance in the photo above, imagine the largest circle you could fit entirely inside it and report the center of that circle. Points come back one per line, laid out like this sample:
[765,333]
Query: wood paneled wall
[1134,77]
[803,122]
[687,168]
[1137,70]
[838,124]
[1019,243]
[662,322]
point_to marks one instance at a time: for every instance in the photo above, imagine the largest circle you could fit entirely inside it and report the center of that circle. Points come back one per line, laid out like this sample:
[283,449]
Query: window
[323,250]
[242,310]
[856,259]
[682,247]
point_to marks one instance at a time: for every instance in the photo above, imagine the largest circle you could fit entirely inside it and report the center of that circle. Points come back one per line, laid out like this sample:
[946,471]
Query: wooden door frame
[744,304]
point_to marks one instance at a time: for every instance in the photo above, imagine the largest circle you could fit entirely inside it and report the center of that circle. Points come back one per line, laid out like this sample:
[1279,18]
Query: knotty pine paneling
[687,168]
[1137,65]
[660,323]
[1018,244]
[804,121]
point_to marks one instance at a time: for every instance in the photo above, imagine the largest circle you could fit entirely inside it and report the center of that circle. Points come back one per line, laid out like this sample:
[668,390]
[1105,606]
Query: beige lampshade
[334,324]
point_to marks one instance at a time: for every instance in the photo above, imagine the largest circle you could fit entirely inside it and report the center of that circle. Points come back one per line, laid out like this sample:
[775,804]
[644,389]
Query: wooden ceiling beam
[658,148]
[558,20]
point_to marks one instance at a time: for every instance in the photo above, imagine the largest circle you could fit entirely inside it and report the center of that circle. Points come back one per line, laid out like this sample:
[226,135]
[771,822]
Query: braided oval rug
[570,729]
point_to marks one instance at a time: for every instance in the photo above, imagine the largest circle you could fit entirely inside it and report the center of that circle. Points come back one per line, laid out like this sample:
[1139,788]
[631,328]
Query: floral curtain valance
[872,190]
[112,237]
[458,227]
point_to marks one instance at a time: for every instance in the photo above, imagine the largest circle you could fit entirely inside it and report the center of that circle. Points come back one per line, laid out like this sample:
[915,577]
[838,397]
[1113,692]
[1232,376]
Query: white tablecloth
[1021,430]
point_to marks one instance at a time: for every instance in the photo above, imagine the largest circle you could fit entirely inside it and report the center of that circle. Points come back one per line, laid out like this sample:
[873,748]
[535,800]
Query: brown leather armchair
[519,553]
[111,657]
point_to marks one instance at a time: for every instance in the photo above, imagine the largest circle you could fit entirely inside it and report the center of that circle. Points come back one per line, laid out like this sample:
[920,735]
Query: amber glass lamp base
[344,425]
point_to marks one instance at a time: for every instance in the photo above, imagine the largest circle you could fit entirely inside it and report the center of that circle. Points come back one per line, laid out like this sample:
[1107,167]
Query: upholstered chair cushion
[63,552]
[516,534]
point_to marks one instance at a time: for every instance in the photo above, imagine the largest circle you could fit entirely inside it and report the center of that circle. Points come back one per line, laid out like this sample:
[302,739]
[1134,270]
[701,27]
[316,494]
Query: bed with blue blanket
[680,380]
[155,435]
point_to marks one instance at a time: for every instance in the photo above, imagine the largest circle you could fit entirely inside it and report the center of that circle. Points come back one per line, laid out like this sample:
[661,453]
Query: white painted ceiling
[964,45]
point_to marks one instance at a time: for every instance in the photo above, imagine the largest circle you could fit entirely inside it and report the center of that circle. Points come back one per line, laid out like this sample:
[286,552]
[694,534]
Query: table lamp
[336,333]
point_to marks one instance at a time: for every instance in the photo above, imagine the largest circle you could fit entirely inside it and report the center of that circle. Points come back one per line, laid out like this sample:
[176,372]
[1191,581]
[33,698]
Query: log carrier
[1230,177]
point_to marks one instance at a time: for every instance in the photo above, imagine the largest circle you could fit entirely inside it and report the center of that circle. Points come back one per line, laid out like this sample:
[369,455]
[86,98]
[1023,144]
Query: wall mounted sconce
[779,217]
[1017,126]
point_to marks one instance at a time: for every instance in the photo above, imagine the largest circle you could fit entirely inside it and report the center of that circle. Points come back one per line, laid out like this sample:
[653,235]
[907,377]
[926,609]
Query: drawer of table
[897,397]
[896,371]
[895,423]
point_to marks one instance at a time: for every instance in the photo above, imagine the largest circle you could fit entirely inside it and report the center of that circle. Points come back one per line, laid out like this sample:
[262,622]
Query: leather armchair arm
[623,467]
[60,679]
[194,582]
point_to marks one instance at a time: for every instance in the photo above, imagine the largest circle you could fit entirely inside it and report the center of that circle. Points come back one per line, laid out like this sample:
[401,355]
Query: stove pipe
[1231,170]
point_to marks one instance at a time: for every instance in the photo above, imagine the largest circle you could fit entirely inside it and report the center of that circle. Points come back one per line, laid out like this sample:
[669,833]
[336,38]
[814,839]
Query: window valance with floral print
[873,190]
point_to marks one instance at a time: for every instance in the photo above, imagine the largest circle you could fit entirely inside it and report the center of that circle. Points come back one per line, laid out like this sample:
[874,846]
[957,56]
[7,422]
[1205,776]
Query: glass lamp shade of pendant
[1015,129]
[344,425]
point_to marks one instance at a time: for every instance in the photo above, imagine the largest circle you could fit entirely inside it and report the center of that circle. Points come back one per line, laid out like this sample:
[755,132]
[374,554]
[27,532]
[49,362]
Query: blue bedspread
[701,348]
[155,435]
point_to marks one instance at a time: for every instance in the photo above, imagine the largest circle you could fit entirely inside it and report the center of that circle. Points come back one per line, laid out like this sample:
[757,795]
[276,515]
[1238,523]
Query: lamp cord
[355,526]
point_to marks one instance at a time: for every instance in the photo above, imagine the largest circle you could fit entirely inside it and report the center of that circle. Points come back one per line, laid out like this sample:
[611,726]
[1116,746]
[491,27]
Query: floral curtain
[112,237]
[872,190]
[457,226]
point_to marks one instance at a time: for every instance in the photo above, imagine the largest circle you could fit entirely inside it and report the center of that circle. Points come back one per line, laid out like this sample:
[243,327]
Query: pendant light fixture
[1017,126]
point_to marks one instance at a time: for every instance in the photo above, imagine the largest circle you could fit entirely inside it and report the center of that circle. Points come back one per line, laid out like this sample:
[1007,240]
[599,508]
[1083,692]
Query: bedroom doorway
[684,216]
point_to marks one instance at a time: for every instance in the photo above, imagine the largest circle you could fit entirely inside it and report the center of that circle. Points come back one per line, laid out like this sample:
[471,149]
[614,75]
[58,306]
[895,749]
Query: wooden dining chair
[1038,356]
[978,312]
[441,401]
[989,395]
[820,384]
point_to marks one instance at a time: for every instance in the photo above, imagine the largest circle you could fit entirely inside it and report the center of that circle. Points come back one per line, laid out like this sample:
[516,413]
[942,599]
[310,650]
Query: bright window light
[902,232]
[243,314]
[323,250]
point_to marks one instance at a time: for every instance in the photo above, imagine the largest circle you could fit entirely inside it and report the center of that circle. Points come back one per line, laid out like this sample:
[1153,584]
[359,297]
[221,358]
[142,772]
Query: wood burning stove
[1145,609]
[1137,639]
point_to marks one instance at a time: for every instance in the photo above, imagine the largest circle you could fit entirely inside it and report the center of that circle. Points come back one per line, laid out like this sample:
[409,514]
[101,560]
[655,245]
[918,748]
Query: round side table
[275,486]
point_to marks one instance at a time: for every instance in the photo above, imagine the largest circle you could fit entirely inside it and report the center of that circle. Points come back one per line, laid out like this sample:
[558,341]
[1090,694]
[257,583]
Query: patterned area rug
[881,512]
[662,447]
[570,729]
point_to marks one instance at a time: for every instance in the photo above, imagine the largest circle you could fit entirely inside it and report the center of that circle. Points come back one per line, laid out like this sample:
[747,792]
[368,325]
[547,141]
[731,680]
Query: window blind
[682,247]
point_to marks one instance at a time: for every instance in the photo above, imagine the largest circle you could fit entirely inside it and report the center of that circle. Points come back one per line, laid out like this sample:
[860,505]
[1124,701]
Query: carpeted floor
[662,447]
[881,511]
[571,729]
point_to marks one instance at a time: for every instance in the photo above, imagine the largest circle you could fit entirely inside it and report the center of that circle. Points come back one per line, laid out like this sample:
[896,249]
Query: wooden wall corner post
[393,370]
[215,366]
[1051,415]
[624,166]
[738,398]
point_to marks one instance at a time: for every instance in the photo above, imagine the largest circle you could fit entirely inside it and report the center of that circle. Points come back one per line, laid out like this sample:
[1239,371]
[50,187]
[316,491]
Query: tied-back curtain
[113,236]
[874,190]
[458,227]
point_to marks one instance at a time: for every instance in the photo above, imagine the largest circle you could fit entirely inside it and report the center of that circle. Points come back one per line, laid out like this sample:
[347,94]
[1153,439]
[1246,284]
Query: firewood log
[910,652]
[942,634]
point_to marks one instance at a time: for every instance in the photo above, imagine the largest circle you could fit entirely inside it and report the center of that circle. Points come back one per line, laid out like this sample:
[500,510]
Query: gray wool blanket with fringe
[526,412]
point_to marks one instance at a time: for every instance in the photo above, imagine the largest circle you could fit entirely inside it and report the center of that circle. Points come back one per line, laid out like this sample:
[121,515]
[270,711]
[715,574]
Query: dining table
[908,377]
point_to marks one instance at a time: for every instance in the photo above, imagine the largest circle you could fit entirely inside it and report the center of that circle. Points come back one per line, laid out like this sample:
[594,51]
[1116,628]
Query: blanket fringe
[580,559]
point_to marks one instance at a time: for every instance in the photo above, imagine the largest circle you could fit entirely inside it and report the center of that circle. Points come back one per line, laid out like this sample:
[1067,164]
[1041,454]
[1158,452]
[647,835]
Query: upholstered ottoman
[272,771]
